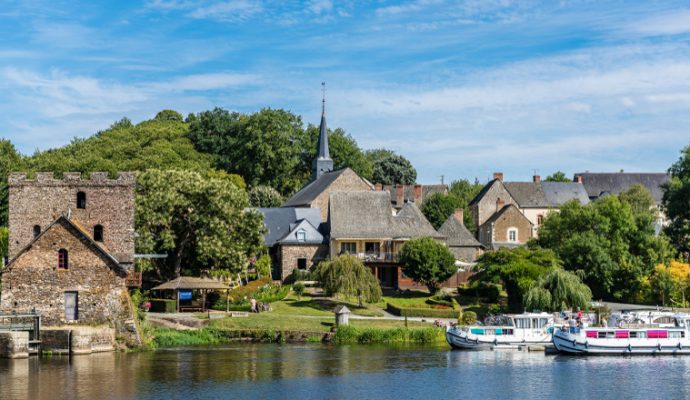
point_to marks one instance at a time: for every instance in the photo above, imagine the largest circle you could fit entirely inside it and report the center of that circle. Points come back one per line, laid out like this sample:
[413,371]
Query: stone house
[459,239]
[294,239]
[508,227]
[71,247]
[364,224]
[535,200]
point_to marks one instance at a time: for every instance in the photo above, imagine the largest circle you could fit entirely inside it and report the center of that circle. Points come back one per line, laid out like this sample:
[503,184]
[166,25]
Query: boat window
[522,323]
[535,323]
[638,334]
[675,334]
[664,320]
[606,334]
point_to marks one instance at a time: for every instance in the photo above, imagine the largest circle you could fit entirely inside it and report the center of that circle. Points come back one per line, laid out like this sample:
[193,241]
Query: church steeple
[323,162]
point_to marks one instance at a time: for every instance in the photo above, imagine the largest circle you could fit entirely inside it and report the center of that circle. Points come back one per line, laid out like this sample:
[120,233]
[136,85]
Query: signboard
[185,294]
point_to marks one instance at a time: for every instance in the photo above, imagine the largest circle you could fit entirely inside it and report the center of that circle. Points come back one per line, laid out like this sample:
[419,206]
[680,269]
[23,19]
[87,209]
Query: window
[301,235]
[98,233]
[372,247]
[348,248]
[540,219]
[512,234]
[81,200]
[71,306]
[301,263]
[63,259]
[37,230]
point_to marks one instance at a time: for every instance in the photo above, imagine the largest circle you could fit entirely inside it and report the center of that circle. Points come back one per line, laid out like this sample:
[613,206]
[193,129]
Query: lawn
[320,306]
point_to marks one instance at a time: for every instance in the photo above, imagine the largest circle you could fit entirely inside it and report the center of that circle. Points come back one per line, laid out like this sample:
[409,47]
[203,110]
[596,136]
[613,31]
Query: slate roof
[482,192]
[312,190]
[311,233]
[281,221]
[599,183]
[368,214]
[527,194]
[76,228]
[502,211]
[457,234]
[558,193]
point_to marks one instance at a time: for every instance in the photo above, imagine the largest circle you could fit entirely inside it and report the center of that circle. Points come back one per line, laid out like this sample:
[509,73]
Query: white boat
[653,333]
[512,331]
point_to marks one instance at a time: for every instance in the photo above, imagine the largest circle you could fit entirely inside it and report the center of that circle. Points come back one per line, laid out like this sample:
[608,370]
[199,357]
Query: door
[71,309]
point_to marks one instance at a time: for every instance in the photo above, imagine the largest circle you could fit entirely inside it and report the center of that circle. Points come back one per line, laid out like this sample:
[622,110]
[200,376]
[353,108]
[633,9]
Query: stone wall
[77,340]
[486,207]
[290,253]
[14,344]
[348,181]
[512,218]
[468,254]
[33,280]
[40,201]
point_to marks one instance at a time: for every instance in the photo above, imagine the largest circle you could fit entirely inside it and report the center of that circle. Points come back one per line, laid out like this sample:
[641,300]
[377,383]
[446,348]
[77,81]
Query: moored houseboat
[509,331]
[661,334]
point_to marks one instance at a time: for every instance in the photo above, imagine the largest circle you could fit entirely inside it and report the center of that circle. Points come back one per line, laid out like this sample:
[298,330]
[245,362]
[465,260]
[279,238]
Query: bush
[443,300]
[495,309]
[349,335]
[163,305]
[302,275]
[422,312]
[244,293]
[271,293]
[298,288]
[469,317]
[489,291]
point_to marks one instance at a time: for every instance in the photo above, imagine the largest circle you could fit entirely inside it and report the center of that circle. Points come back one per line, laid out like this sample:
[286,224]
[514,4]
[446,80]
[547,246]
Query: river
[314,371]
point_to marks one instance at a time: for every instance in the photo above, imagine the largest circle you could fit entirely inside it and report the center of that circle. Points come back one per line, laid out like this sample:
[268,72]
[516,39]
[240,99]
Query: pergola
[192,283]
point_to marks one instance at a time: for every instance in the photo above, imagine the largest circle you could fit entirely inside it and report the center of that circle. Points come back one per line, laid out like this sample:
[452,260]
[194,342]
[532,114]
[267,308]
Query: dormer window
[37,230]
[301,235]
[81,200]
[98,233]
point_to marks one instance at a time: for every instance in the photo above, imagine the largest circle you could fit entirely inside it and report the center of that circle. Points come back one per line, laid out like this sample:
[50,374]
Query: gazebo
[184,285]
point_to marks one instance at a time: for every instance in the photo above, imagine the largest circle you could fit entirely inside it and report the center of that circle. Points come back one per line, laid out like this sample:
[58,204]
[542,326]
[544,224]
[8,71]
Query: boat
[509,331]
[651,333]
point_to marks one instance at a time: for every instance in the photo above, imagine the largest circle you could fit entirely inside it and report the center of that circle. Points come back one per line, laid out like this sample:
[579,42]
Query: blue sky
[461,88]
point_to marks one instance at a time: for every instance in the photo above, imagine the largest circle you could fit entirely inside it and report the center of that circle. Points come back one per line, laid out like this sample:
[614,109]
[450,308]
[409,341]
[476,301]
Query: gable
[340,180]
[509,216]
[311,234]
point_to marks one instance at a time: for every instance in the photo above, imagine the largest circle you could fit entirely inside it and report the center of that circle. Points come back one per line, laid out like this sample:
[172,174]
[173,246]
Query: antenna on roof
[442,176]
[323,97]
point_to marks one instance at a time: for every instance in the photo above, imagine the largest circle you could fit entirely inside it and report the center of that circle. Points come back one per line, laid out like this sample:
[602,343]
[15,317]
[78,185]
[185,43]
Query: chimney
[417,193]
[459,215]
[499,204]
[499,176]
[578,179]
[399,195]
[536,178]
[378,187]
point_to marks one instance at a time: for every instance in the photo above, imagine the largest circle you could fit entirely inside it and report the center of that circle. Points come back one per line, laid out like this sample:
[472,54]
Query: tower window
[37,230]
[81,200]
[98,233]
[63,259]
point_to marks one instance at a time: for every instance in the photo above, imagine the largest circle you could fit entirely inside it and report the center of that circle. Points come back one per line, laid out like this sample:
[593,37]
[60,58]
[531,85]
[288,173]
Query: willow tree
[345,275]
[557,290]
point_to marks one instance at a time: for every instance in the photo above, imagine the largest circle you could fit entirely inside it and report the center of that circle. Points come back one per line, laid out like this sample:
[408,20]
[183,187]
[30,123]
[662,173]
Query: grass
[351,334]
[319,306]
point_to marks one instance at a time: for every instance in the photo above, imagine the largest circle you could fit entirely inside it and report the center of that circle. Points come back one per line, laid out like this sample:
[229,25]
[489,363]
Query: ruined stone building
[71,245]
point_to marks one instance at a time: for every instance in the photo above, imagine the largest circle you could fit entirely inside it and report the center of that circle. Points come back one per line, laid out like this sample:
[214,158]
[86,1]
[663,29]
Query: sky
[461,88]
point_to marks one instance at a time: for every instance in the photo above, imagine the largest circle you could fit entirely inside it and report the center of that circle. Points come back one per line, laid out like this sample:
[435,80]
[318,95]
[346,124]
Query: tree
[671,283]
[346,275]
[343,148]
[195,219]
[169,115]
[604,241]
[558,176]
[4,242]
[516,269]
[264,197]
[10,161]
[263,266]
[394,169]
[558,290]
[437,207]
[676,202]
[428,262]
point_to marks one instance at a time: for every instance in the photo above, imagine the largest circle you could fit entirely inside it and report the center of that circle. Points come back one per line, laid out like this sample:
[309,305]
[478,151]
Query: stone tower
[103,208]
[323,162]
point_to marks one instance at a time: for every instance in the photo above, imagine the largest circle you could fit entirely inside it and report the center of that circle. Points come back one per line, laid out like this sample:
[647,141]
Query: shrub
[495,309]
[302,275]
[163,305]
[422,312]
[469,317]
[489,291]
[263,266]
[271,293]
[298,288]
[244,293]
[443,300]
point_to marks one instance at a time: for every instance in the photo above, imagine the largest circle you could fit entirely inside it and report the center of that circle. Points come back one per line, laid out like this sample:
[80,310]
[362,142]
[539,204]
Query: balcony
[382,257]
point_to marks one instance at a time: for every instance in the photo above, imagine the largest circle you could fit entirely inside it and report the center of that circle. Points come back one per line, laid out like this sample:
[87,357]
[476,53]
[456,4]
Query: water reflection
[318,371]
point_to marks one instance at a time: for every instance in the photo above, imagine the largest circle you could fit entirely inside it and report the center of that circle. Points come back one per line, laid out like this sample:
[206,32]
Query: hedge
[422,312]
[491,292]
[163,305]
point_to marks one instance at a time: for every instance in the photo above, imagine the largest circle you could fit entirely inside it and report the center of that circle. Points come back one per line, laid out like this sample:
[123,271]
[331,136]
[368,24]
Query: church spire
[323,162]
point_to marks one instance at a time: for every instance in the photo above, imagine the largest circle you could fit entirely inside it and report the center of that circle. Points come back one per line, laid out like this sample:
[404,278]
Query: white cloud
[233,10]
[673,23]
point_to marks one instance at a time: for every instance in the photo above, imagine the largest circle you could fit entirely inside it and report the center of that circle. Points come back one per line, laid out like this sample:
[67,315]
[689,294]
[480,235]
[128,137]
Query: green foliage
[558,176]
[489,291]
[615,249]
[271,293]
[345,275]
[394,169]
[676,203]
[302,275]
[242,294]
[439,206]
[469,318]
[263,266]
[343,150]
[558,290]
[169,115]
[264,197]
[427,261]
[352,335]
[298,288]
[201,220]
[173,338]
[517,269]
[422,311]
[4,242]
[10,161]
[163,305]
